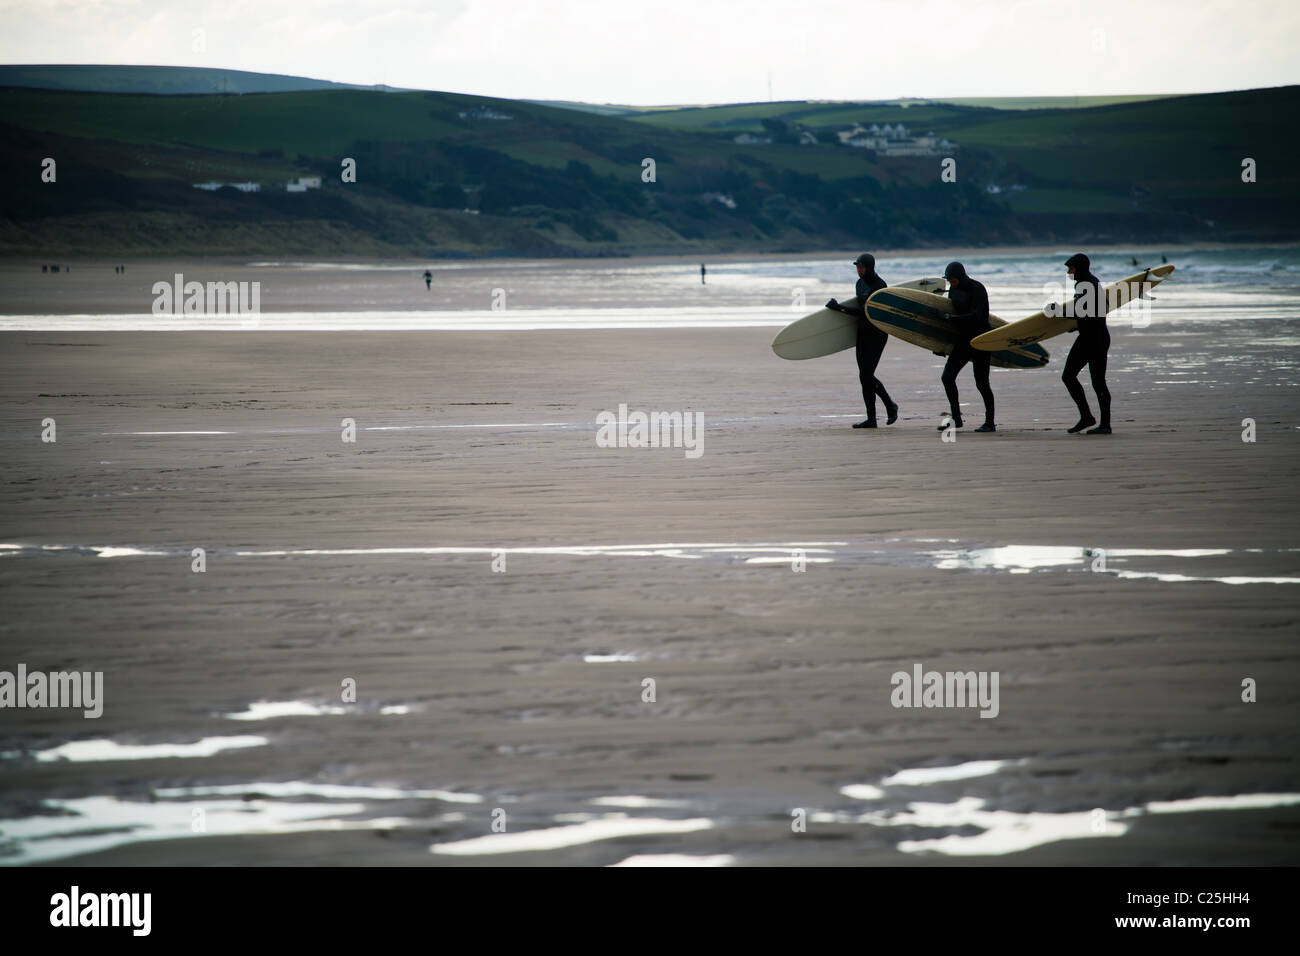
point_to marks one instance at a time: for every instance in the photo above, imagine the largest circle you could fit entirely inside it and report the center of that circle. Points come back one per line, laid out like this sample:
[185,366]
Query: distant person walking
[971,317]
[1090,348]
[871,342]
[428,279]
[701,273]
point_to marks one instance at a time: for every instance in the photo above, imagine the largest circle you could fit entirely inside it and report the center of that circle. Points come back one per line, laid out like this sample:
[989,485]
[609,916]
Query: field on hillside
[544,181]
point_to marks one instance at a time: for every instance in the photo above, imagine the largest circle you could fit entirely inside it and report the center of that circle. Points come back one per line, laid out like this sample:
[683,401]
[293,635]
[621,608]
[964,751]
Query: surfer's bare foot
[1086,422]
[987,427]
[869,423]
[892,412]
[1099,430]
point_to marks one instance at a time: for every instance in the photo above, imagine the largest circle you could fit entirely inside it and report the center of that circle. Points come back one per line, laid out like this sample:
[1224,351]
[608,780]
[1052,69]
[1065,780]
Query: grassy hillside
[1051,102]
[748,116]
[559,181]
[326,121]
[154,79]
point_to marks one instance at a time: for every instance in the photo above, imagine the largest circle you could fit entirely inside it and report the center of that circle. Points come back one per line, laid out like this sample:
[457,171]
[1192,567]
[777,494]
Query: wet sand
[773,687]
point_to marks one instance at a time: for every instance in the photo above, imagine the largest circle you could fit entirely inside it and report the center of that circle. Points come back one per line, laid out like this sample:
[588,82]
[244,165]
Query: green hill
[95,78]
[441,174]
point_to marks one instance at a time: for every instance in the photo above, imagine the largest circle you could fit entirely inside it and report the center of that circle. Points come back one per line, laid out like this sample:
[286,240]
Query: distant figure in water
[428,279]
[1090,348]
[1135,260]
[1163,259]
[701,273]
[45,268]
[871,342]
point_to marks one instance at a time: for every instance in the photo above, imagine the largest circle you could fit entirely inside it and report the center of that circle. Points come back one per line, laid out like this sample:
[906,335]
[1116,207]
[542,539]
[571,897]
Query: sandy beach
[522,689]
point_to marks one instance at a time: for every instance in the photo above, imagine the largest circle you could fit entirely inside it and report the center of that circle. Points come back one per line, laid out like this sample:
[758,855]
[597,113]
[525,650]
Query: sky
[658,52]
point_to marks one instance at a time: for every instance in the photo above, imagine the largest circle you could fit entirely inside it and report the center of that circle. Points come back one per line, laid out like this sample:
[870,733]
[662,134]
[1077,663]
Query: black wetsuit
[1090,348]
[971,317]
[871,343]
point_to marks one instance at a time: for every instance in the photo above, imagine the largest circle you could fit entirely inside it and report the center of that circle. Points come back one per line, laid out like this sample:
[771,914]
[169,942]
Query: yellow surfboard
[1041,326]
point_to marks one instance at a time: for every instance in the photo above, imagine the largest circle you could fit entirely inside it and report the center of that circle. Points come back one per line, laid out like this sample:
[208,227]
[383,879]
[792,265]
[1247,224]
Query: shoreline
[661,258]
[501,290]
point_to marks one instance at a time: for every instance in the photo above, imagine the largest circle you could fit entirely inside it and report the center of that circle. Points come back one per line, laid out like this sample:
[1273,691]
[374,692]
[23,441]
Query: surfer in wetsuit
[971,317]
[1090,348]
[871,342]
[428,279]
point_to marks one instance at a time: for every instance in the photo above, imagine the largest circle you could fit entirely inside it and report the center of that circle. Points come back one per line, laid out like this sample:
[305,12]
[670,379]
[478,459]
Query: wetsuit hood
[868,260]
[1080,263]
[955,270]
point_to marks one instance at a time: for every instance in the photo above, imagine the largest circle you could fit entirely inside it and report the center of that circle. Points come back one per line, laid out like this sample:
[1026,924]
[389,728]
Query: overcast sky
[701,51]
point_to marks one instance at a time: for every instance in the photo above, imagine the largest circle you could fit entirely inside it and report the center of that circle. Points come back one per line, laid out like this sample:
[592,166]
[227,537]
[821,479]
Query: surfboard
[918,317]
[826,331]
[1041,326]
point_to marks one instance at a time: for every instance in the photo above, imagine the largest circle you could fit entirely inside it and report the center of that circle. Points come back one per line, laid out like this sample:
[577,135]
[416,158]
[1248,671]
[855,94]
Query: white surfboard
[826,331]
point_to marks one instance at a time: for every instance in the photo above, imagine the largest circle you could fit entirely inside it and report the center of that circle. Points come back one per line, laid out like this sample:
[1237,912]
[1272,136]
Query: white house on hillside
[895,141]
[484,113]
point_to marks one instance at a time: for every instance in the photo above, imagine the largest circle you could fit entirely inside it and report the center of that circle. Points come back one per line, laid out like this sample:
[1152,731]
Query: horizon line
[646,106]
